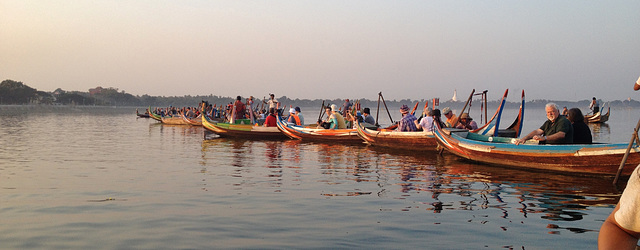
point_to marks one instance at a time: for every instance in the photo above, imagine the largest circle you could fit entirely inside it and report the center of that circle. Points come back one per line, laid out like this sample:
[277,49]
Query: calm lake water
[99,178]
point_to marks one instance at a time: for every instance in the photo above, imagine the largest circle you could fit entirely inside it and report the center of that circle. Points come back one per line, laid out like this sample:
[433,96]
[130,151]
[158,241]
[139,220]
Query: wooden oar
[233,113]
[426,106]
[468,101]
[413,111]
[250,105]
[634,137]
[424,110]
[465,107]
[378,110]
[321,111]
[385,106]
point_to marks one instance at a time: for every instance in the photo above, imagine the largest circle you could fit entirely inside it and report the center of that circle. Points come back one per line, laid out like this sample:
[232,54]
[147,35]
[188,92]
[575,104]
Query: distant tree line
[16,93]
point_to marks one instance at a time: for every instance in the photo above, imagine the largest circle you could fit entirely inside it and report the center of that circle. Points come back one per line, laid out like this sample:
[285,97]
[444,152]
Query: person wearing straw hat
[407,123]
[466,122]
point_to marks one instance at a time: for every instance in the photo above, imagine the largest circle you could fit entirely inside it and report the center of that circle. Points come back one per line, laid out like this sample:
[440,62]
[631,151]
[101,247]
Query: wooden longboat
[197,121]
[421,140]
[154,116]
[581,159]
[247,131]
[318,134]
[598,117]
[492,127]
[144,115]
[426,140]
[173,120]
[515,129]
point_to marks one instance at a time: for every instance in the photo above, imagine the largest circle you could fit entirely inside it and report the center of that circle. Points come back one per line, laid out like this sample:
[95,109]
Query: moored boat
[144,115]
[197,121]
[492,127]
[173,120]
[154,116]
[318,134]
[598,158]
[242,128]
[420,140]
[425,140]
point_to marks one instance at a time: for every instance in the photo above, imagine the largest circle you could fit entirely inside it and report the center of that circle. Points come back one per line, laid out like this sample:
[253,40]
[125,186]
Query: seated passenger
[581,131]
[466,122]
[452,119]
[271,120]
[408,121]
[556,130]
[299,114]
[366,113]
[336,119]
[327,122]
[293,117]
[427,122]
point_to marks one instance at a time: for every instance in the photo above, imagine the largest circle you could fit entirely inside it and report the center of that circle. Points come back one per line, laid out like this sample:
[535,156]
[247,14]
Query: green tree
[13,92]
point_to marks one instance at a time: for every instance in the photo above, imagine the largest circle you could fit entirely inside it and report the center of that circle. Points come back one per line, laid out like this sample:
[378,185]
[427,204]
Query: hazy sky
[556,49]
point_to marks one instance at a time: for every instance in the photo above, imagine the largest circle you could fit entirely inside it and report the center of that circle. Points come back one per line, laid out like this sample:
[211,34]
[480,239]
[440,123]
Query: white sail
[455,96]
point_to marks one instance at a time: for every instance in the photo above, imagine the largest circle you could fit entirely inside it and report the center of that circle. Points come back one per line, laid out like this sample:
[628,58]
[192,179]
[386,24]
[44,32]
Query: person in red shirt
[240,108]
[270,121]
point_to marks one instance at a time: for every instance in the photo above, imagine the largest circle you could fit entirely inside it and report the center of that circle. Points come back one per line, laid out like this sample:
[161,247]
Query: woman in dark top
[581,132]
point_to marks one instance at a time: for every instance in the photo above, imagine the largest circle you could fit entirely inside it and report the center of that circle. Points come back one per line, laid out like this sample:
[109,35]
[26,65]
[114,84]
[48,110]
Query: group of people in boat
[566,128]
[343,118]
[558,129]
[561,129]
[409,123]
[190,112]
[244,109]
[264,116]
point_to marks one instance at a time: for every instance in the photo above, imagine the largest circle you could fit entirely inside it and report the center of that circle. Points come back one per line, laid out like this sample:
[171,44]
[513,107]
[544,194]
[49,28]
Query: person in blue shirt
[407,123]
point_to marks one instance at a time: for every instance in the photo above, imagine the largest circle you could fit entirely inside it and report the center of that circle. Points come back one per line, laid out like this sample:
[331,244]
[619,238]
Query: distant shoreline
[627,104]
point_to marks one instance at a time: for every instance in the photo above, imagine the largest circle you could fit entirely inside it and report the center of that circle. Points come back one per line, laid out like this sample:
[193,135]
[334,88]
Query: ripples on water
[100,178]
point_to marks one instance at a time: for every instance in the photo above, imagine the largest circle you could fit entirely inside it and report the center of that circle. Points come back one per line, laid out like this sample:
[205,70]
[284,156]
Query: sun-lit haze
[557,50]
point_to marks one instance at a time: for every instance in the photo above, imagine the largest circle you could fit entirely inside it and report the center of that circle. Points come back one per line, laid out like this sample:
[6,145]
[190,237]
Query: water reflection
[426,181]
[178,132]
[601,132]
[554,197]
